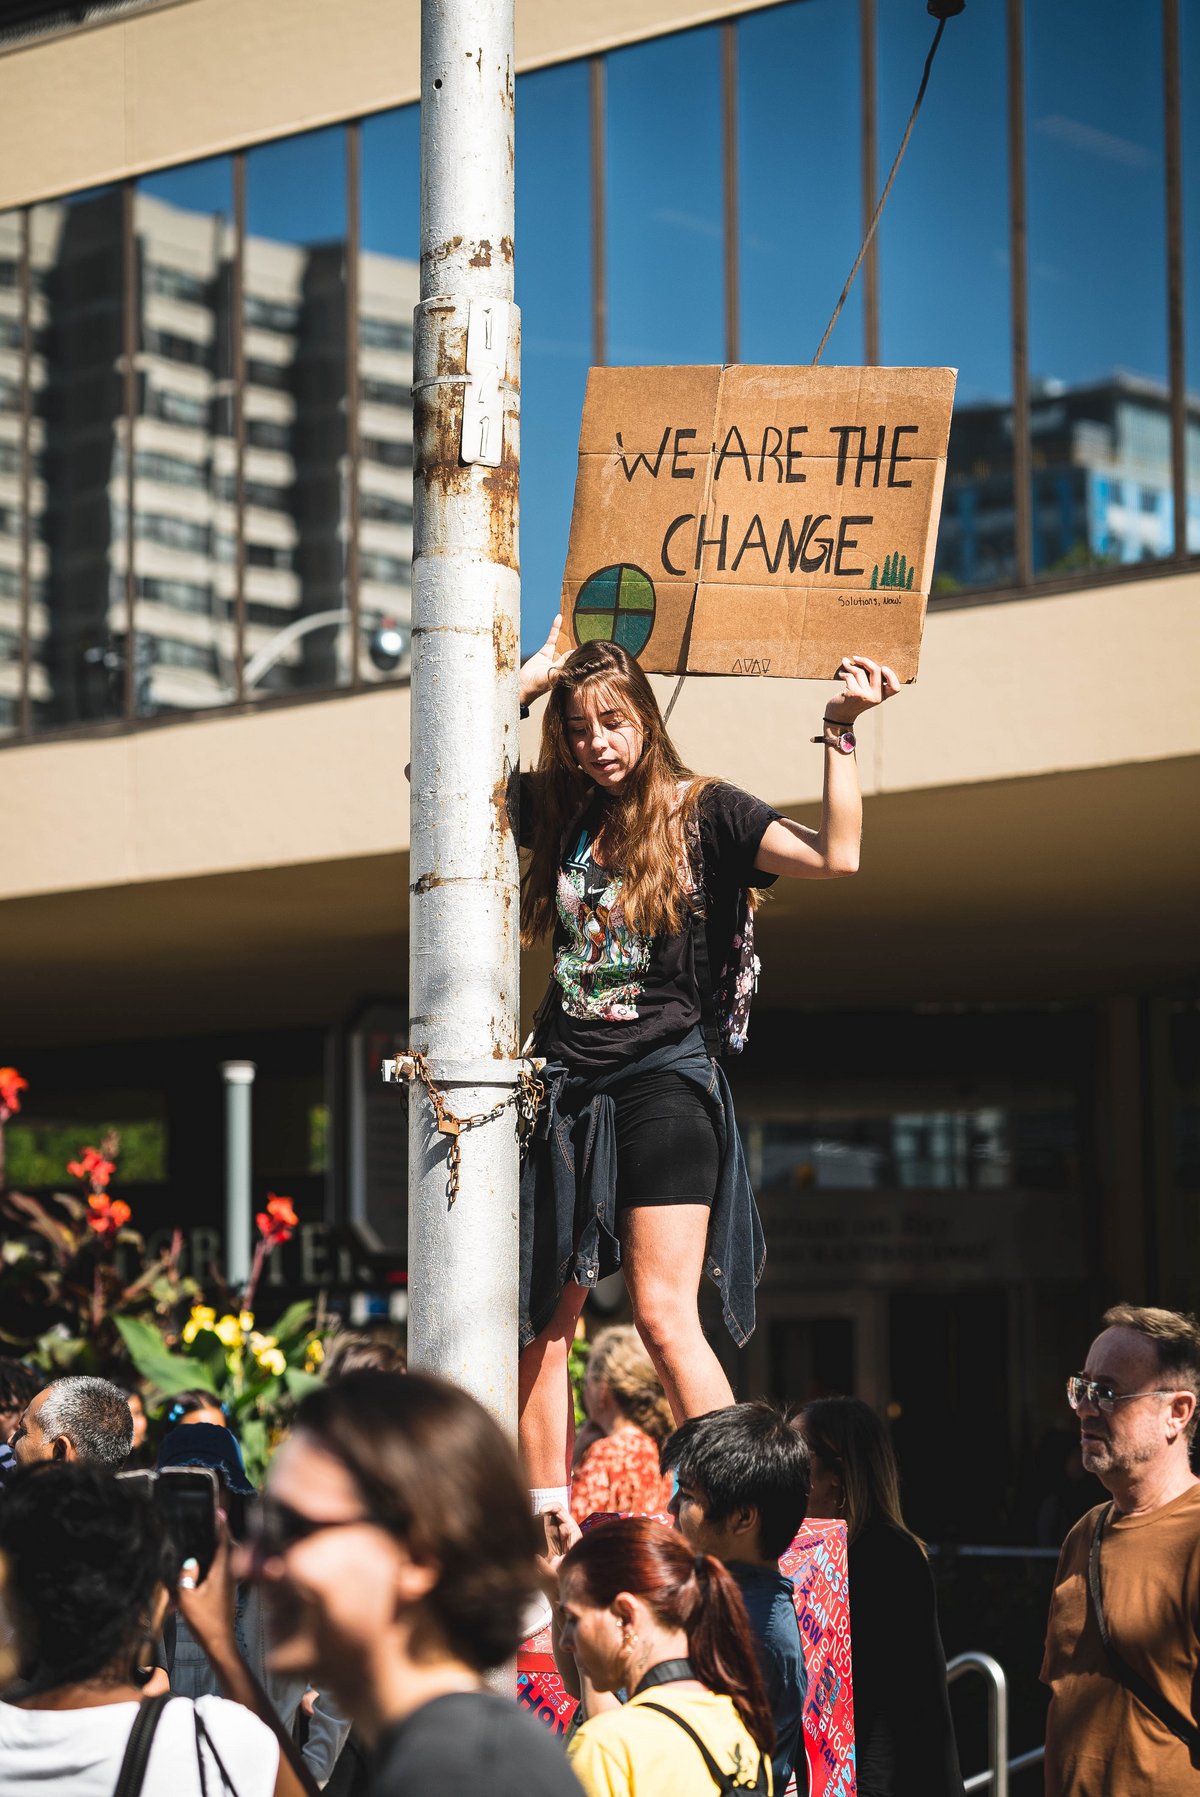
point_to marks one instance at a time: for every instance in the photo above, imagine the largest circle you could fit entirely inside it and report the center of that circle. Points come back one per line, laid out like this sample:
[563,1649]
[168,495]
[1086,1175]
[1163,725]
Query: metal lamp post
[463,985]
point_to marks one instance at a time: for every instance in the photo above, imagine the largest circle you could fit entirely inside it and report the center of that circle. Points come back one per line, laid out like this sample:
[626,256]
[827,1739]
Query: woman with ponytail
[641,1613]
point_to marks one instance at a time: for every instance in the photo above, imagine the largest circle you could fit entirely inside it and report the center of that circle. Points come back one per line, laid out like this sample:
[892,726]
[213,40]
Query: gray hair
[94,1416]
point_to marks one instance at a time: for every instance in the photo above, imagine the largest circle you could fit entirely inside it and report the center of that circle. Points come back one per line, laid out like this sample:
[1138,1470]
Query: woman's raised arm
[831,851]
[537,674]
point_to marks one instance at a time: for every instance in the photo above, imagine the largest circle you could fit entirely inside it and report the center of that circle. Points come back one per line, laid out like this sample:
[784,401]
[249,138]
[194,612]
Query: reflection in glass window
[664,201]
[294,317]
[981,1149]
[1189,59]
[554,289]
[796,256]
[78,637]
[184,453]
[944,269]
[1097,284]
[10,472]
[389,287]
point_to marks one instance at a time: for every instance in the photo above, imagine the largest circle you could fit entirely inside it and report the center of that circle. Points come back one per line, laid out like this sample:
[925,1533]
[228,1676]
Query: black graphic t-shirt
[620,993]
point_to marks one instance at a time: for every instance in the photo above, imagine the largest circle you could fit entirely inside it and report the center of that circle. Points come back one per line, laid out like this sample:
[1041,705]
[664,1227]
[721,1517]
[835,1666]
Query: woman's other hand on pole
[865,684]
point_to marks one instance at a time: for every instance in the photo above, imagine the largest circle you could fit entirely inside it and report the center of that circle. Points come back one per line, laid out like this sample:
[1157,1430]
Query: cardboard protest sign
[745,520]
[816,1565]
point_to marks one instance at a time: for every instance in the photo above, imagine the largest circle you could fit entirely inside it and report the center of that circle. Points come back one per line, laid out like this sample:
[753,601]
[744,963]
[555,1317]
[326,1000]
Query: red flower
[93,1167]
[11,1087]
[108,1214]
[278,1221]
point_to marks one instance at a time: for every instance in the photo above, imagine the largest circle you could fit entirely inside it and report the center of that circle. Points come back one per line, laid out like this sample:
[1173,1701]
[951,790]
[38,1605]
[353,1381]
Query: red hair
[685,1591]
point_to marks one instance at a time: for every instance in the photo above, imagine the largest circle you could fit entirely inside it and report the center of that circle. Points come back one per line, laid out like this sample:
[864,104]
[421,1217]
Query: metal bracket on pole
[400,1068]
[483,401]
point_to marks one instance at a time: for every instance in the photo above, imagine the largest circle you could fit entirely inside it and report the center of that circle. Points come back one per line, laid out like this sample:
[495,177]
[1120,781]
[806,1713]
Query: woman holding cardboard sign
[644,874]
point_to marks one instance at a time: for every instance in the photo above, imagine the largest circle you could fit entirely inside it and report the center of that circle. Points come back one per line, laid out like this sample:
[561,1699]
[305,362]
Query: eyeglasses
[272,1528]
[1100,1393]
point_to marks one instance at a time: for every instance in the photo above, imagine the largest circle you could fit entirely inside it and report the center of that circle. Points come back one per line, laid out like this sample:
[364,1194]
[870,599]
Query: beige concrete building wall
[198,77]
[1050,686]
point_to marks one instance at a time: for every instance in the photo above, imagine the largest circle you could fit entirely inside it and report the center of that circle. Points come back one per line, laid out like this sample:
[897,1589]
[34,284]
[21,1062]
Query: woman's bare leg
[662,1256]
[547,1412]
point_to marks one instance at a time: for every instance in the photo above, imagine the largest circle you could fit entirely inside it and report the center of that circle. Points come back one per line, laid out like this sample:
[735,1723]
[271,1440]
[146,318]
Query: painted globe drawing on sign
[616,605]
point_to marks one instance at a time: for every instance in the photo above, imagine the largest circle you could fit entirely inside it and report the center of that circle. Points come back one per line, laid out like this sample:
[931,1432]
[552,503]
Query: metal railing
[1000,1768]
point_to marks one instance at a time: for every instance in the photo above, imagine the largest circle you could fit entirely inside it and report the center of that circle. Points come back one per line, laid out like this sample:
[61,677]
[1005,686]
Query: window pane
[794,261]
[665,231]
[389,286]
[1097,285]
[1190,84]
[554,288]
[297,622]
[78,523]
[10,471]
[184,456]
[952,309]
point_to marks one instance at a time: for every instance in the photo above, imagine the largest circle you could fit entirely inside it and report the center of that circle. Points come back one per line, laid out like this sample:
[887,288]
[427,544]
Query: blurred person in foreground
[75,1419]
[89,1573]
[395,1548]
[904,1743]
[742,1493]
[189,1668]
[643,1614]
[1124,1713]
[624,1400]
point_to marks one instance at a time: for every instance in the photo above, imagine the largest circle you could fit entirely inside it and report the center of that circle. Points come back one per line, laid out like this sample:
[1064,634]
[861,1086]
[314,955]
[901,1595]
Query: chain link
[526,1096]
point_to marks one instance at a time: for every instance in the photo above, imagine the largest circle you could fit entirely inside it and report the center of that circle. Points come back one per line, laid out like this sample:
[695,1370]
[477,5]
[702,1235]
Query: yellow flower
[316,1350]
[201,1318]
[228,1332]
[274,1361]
[246,1319]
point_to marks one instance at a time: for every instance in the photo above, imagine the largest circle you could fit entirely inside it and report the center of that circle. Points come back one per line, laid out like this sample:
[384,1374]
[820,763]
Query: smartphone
[187,1499]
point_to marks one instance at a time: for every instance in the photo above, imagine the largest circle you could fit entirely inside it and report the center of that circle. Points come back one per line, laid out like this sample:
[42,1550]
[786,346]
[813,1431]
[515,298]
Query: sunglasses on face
[272,1528]
[1099,1392]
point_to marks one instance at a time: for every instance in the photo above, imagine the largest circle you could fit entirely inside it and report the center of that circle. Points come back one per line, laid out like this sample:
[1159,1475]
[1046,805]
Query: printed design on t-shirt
[597,967]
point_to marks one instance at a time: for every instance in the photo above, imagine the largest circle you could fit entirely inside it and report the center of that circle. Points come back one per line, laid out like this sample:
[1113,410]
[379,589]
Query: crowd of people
[343,1630]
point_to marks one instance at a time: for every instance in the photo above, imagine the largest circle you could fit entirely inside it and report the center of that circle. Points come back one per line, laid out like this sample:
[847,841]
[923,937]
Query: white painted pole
[239,1079]
[463,988]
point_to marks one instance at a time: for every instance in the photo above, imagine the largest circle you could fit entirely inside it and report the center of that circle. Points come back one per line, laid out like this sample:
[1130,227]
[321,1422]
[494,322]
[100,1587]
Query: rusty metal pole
[463,957]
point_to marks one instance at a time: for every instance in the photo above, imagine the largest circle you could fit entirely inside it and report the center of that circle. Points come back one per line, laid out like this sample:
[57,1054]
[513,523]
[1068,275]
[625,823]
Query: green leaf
[300,1383]
[254,1438]
[149,1353]
[293,1321]
[209,1350]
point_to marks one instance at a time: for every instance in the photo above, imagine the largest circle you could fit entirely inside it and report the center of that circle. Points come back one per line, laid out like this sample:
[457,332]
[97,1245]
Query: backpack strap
[722,1780]
[1158,1705]
[137,1749]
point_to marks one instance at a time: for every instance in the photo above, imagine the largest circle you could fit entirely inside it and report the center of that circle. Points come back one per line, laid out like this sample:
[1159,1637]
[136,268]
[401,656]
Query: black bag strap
[1159,1706]
[722,1780]
[204,1739]
[137,1748]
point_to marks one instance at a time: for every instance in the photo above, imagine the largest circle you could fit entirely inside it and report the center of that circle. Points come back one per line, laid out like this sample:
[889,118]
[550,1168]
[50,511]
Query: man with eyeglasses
[1122,1652]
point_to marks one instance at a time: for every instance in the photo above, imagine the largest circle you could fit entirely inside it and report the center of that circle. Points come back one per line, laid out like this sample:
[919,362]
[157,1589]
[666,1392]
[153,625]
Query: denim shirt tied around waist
[569,1189]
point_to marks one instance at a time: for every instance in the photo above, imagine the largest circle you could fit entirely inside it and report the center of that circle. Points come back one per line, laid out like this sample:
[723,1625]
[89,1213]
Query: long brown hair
[684,1591]
[646,822]
[848,1436]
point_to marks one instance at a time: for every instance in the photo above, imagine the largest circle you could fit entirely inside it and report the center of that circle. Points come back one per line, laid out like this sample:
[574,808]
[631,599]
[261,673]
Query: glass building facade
[206,482]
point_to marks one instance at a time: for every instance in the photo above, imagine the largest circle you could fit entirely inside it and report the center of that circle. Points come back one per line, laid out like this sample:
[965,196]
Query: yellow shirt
[631,1752]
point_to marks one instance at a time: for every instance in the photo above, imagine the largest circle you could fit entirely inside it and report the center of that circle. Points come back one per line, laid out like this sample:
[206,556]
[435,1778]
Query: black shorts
[667,1146]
